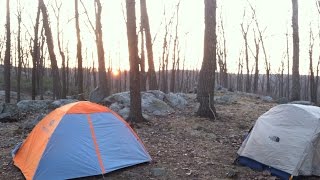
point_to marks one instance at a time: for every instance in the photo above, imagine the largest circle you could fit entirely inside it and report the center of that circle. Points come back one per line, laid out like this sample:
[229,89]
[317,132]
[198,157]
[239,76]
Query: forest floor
[182,145]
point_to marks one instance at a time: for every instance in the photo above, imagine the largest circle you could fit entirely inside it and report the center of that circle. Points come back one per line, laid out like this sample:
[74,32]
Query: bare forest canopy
[65,45]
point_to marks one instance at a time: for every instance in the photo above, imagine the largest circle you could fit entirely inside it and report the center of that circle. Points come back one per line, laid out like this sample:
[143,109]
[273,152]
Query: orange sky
[273,14]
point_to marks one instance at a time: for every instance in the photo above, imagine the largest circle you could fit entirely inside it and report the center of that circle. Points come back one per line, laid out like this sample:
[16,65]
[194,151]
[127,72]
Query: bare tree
[135,114]
[240,73]
[143,77]
[205,93]
[19,49]
[103,82]
[295,91]
[222,55]
[174,56]
[63,57]
[79,52]
[288,66]
[7,65]
[256,57]
[55,71]
[152,78]
[313,82]
[245,30]
[35,53]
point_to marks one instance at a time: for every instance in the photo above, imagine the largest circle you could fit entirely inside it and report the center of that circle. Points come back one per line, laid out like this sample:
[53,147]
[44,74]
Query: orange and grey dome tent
[78,140]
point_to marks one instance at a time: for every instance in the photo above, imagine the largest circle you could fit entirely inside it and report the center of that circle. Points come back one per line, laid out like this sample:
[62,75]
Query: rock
[225,99]
[153,106]
[266,98]
[124,113]
[61,102]
[158,94]
[232,173]
[176,101]
[302,102]
[9,112]
[12,93]
[33,105]
[5,117]
[97,95]
[122,98]
[158,171]
[116,107]
[282,100]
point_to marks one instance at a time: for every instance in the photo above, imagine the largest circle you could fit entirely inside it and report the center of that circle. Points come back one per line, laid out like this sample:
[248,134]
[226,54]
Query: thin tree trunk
[35,54]
[103,80]
[63,58]
[288,70]
[7,65]
[79,53]
[142,61]
[19,55]
[175,47]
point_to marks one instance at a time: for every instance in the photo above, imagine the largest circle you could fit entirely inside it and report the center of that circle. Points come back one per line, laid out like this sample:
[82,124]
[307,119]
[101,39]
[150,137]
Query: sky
[274,15]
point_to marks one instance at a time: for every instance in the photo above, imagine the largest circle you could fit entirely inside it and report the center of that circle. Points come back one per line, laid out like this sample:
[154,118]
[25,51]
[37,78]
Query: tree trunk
[152,78]
[103,82]
[256,57]
[288,67]
[19,55]
[205,92]
[79,53]
[41,60]
[295,91]
[312,83]
[55,71]
[142,61]
[135,114]
[63,57]
[35,54]
[7,65]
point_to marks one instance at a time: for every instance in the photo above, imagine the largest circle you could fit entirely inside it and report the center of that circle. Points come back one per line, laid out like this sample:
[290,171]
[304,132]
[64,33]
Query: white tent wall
[286,138]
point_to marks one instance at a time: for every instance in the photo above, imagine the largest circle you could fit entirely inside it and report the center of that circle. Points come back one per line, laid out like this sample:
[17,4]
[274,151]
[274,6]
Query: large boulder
[33,105]
[97,95]
[225,99]
[176,101]
[157,93]
[151,103]
[12,93]
[266,98]
[282,100]
[122,98]
[153,106]
[8,112]
[124,113]
[116,107]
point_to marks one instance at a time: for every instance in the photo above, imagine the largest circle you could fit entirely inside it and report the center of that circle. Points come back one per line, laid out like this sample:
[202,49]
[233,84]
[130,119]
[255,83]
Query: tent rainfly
[78,140]
[286,141]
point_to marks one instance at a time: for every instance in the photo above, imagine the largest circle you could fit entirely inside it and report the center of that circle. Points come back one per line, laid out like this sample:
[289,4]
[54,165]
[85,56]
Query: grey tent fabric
[287,137]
